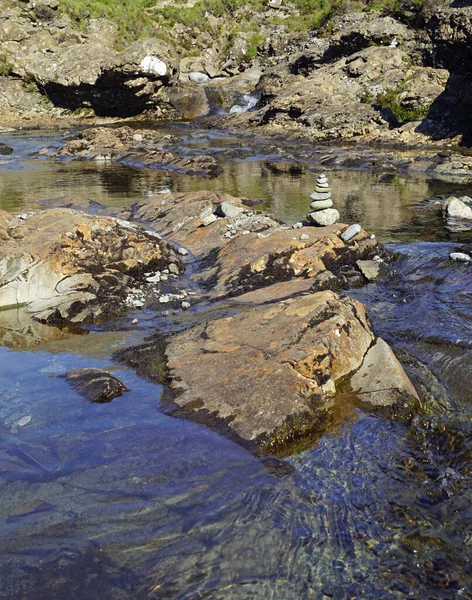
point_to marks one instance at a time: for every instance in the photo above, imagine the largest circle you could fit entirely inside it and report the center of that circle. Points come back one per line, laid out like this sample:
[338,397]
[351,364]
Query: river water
[122,501]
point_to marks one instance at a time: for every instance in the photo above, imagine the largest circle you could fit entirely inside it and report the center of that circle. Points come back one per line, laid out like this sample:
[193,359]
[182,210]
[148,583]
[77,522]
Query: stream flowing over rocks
[196,301]
[235,300]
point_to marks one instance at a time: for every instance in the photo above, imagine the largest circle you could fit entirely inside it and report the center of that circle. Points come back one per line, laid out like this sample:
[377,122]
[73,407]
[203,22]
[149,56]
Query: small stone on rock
[460,257]
[351,232]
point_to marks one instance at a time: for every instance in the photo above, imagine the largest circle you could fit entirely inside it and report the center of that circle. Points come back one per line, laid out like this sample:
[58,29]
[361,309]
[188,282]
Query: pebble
[351,232]
[228,209]
[186,305]
[164,299]
[460,257]
[137,137]
[173,268]
[154,278]
[24,421]
[198,77]
[304,236]
[298,225]
[182,251]
[134,322]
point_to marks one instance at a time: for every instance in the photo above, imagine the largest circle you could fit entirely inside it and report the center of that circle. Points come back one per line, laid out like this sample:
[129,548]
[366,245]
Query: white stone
[457,209]
[24,421]
[197,77]
[152,64]
[182,251]
[325,217]
[351,232]
[186,305]
[460,257]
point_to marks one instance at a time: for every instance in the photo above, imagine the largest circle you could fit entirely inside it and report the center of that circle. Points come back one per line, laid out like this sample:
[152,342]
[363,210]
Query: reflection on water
[120,501]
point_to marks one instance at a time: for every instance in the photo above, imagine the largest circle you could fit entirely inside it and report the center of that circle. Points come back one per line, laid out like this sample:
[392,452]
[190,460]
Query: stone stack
[322,213]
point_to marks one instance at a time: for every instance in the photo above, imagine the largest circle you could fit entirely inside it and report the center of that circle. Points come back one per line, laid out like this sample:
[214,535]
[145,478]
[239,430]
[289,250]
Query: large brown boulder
[268,375]
[66,266]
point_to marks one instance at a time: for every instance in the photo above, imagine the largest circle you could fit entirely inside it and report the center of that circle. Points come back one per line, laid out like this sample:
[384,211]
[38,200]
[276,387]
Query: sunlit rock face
[66,266]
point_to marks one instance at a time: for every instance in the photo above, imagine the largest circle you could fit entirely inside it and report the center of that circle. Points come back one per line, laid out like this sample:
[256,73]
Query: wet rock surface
[141,147]
[95,385]
[67,266]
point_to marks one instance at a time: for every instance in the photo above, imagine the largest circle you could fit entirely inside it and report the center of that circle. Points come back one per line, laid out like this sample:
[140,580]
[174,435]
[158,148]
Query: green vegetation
[390,100]
[367,97]
[131,17]
[5,66]
[139,18]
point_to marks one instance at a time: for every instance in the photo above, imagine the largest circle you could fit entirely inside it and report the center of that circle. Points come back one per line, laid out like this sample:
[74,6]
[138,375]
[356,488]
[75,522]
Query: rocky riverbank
[394,77]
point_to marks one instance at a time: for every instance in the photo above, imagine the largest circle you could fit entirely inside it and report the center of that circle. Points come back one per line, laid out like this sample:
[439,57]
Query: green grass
[138,18]
[390,100]
[5,66]
[129,15]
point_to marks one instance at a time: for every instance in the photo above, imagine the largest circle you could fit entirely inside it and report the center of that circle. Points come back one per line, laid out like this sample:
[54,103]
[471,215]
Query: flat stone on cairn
[322,213]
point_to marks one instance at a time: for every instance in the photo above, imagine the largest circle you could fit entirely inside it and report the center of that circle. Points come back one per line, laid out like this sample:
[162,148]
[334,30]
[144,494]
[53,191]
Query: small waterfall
[248,102]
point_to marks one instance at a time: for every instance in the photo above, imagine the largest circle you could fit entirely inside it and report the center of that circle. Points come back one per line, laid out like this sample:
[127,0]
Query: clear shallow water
[121,501]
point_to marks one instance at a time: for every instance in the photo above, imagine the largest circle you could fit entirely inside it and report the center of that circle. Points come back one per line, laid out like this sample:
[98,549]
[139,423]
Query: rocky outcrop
[66,266]
[249,250]
[76,70]
[268,376]
[95,385]
[360,96]
[141,147]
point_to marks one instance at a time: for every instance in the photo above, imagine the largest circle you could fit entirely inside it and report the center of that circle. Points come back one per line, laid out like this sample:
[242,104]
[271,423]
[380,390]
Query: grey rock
[228,209]
[457,209]
[321,204]
[207,217]
[174,269]
[321,196]
[351,232]
[460,257]
[197,77]
[96,385]
[373,269]
[381,380]
[186,305]
[182,251]
[5,150]
[322,218]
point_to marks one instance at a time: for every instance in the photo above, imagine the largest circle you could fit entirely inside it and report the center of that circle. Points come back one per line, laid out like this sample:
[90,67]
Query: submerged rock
[5,150]
[123,145]
[67,266]
[95,385]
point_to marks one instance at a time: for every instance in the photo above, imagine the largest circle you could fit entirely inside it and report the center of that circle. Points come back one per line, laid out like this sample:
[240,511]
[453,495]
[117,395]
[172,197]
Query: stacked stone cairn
[322,213]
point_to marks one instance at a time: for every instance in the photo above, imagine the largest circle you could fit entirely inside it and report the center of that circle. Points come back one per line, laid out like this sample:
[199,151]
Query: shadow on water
[121,501]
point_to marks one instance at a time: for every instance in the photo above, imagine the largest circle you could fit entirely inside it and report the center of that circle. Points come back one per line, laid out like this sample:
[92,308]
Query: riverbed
[120,500]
